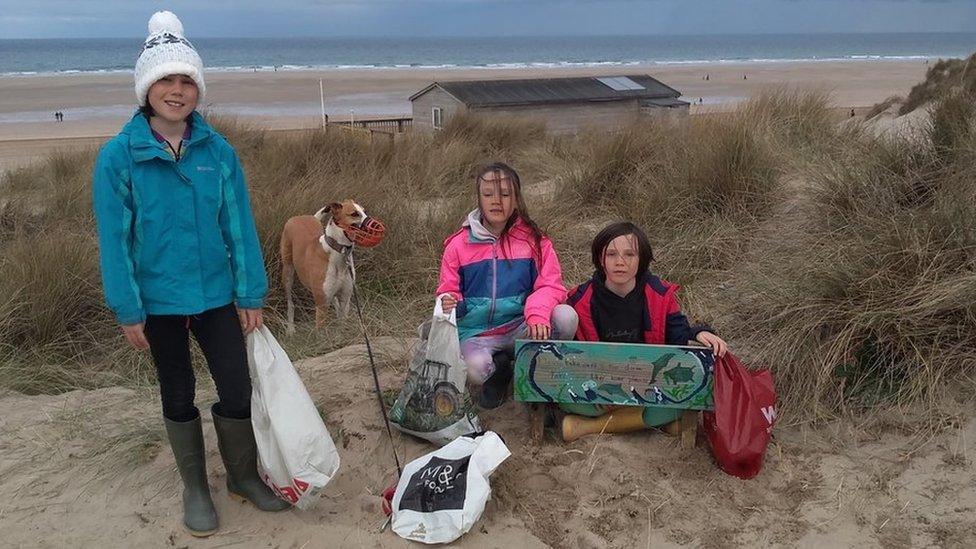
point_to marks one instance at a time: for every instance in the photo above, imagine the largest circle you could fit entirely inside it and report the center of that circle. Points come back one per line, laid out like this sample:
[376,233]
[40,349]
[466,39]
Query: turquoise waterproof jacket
[175,237]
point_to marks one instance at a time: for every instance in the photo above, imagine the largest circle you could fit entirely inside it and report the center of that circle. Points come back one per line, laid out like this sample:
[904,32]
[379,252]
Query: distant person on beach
[852,113]
[504,278]
[180,255]
[625,303]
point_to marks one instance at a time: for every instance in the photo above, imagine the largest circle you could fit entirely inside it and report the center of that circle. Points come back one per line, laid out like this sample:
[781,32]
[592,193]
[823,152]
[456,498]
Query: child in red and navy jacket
[625,303]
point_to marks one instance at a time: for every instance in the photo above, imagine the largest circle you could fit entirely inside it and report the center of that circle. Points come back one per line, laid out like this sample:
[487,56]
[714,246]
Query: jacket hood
[479,233]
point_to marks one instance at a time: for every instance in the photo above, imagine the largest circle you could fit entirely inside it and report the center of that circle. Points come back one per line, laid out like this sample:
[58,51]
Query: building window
[437,118]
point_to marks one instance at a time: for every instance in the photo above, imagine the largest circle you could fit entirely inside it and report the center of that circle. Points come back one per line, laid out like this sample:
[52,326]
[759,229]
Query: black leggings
[218,332]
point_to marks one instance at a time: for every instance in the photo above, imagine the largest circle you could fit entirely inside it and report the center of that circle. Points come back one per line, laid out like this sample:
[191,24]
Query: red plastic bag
[745,411]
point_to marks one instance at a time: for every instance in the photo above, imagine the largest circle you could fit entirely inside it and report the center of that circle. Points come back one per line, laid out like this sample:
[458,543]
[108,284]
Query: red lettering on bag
[274,487]
[289,494]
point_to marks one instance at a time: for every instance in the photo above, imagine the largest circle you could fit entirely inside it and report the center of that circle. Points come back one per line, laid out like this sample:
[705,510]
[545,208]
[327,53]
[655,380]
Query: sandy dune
[86,469]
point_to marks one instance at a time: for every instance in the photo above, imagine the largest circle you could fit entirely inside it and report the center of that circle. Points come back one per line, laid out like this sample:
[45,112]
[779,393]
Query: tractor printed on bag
[432,392]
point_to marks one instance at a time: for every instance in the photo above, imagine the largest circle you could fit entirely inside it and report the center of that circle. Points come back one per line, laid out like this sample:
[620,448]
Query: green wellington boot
[186,440]
[235,438]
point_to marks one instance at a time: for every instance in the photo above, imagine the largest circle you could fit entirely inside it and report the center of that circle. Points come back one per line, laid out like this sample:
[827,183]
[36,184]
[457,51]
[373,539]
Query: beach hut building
[565,105]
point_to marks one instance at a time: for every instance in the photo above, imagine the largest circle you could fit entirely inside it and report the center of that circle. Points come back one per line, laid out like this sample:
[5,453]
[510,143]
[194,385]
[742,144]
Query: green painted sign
[626,374]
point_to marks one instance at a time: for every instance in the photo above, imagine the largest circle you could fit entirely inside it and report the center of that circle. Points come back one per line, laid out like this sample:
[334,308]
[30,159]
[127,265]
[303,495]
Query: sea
[24,57]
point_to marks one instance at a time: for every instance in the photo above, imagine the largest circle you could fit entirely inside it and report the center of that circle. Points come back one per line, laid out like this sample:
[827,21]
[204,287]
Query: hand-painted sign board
[614,374]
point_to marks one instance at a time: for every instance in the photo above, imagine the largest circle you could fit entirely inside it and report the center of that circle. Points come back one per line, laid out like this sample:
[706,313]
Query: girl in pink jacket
[503,276]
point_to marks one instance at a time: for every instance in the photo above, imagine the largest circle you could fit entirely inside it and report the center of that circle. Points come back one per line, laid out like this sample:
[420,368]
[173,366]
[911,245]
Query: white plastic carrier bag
[434,403]
[296,455]
[441,495]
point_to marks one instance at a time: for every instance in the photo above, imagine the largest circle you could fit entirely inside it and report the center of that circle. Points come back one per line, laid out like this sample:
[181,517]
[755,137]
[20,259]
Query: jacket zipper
[177,156]
[177,153]
[494,281]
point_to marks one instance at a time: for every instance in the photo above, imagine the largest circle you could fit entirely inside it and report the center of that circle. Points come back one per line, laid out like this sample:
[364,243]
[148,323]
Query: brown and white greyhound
[323,259]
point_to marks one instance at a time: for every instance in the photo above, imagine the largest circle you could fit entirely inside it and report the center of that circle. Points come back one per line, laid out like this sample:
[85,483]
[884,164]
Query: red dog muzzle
[369,233]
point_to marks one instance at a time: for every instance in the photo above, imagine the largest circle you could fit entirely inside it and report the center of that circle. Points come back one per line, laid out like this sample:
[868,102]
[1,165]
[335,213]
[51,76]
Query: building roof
[663,102]
[490,93]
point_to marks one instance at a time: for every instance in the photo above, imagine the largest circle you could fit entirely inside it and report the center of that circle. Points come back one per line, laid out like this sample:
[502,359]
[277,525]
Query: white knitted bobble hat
[166,52]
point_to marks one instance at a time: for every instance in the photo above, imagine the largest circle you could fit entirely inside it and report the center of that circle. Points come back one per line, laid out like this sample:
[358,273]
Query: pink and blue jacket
[498,281]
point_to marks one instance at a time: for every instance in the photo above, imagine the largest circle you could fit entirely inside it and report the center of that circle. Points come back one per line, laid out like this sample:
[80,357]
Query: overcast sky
[267,18]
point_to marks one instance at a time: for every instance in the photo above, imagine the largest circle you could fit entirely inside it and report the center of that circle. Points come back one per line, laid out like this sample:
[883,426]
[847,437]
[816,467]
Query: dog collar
[334,244]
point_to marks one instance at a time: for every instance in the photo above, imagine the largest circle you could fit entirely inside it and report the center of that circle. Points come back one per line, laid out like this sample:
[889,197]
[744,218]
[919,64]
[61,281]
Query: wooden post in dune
[322,99]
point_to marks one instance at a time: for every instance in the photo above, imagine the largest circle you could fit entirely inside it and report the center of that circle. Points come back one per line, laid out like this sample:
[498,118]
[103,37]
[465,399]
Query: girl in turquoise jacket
[180,255]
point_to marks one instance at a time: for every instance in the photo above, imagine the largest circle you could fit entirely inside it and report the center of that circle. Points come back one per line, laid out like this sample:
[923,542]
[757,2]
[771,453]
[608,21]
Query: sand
[97,105]
[874,484]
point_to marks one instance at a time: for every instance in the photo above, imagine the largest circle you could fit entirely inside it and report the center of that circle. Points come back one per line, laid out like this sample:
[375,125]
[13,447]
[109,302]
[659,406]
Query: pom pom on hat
[166,52]
[165,21]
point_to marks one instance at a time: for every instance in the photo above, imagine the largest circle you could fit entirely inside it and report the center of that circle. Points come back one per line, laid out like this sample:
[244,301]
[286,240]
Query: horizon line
[469,37]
